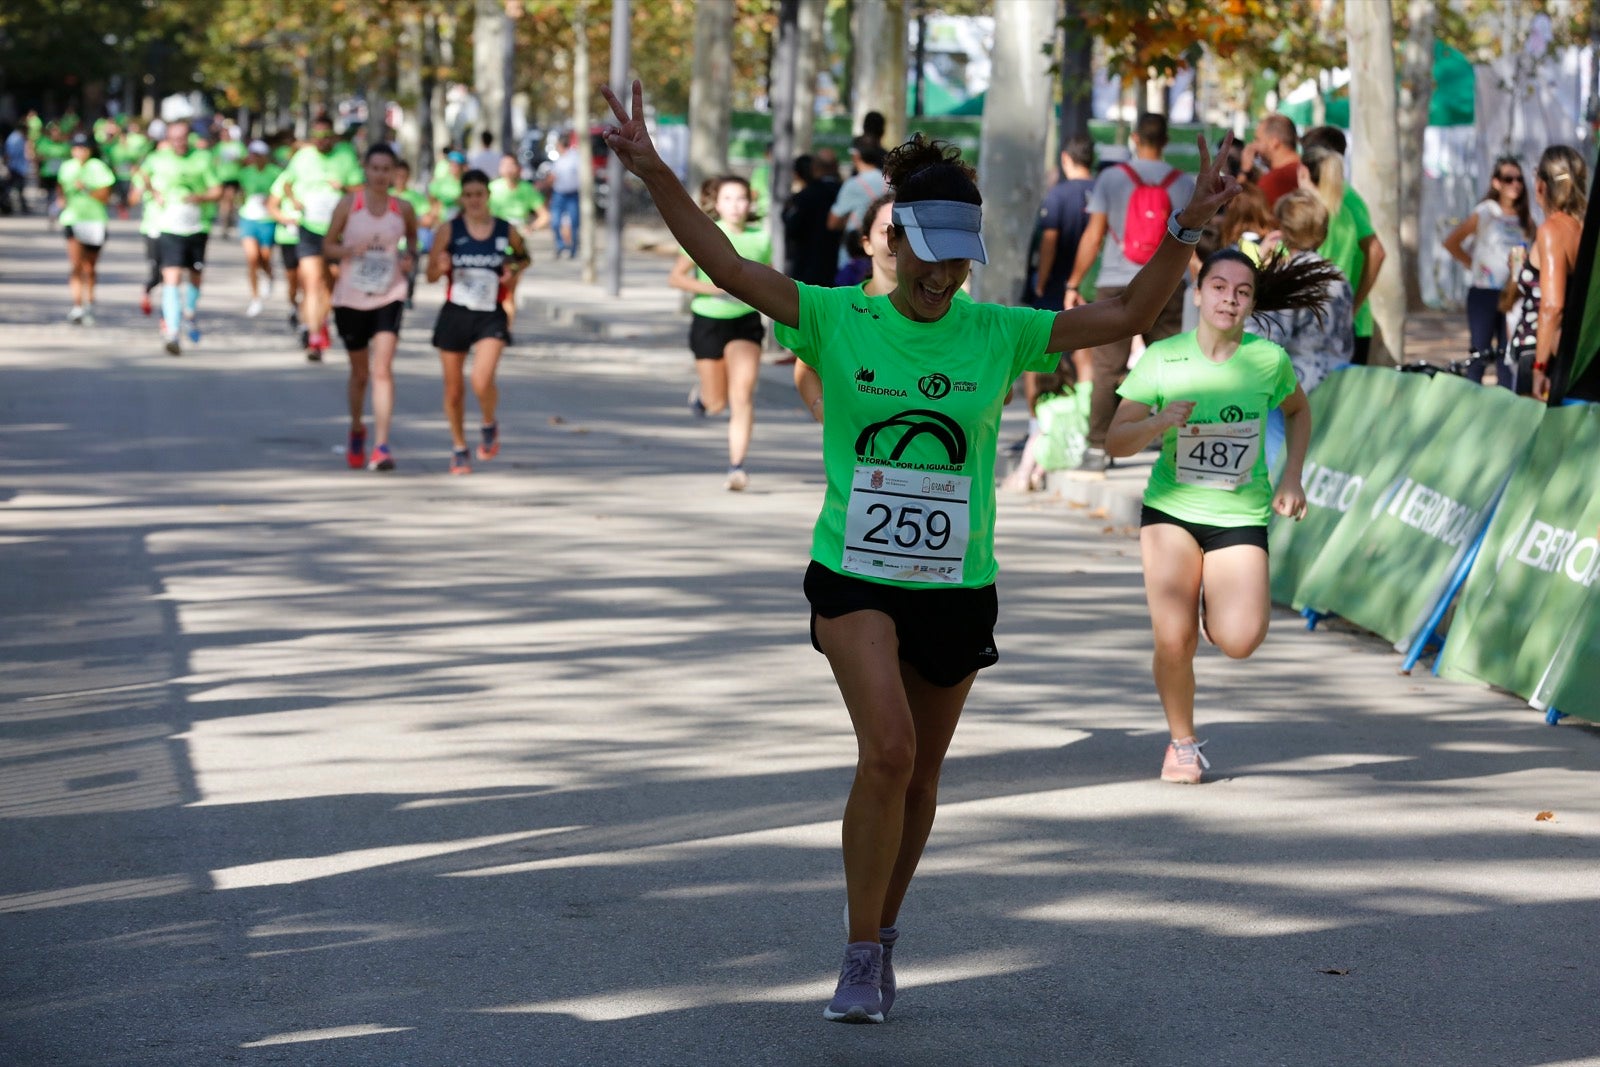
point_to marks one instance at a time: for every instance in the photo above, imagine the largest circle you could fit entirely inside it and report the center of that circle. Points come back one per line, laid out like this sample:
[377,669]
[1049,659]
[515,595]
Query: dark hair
[922,169]
[873,125]
[1524,216]
[1283,283]
[486,138]
[1151,129]
[475,175]
[380,149]
[859,237]
[870,149]
[1329,137]
[1080,150]
[712,186]
[323,119]
[802,168]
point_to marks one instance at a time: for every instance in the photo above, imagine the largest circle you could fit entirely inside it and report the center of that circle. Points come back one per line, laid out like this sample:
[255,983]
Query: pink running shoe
[355,449]
[1185,763]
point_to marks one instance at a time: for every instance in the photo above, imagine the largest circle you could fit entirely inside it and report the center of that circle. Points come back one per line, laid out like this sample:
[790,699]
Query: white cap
[259,148]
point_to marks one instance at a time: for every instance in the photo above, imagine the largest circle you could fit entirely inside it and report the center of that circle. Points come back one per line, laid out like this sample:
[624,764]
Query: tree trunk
[1416,99]
[920,61]
[582,89]
[621,52]
[1077,73]
[813,41]
[427,85]
[490,28]
[1016,118]
[1375,169]
[413,101]
[710,91]
[880,68]
[785,68]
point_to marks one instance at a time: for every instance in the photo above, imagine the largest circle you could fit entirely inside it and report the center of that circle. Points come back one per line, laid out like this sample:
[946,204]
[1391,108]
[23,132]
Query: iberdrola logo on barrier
[1428,511]
[1552,550]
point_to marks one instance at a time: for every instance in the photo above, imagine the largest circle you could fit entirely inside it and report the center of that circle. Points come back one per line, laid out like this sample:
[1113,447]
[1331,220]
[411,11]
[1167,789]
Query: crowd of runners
[341,235]
[905,373]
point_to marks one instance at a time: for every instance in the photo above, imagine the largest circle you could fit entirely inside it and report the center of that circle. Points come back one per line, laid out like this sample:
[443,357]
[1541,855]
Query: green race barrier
[1395,551]
[1349,411]
[1523,606]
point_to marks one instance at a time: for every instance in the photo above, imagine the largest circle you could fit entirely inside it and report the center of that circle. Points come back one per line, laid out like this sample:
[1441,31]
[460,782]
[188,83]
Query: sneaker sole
[854,1015]
[1181,781]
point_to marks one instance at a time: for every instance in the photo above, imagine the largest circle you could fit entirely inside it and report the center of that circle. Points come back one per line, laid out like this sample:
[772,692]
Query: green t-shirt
[51,155]
[419,205]
[753,242]
[515,203]
[1191,480]
[230,157]
[126,152]
[81,207]
[255,185]
[172,178]
[318,182]
[908,439]
[288,233]
[1342,247]
[446,189]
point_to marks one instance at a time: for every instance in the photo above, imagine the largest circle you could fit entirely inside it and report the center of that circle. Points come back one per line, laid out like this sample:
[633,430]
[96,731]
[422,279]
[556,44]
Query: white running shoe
[75,316]
[253,310]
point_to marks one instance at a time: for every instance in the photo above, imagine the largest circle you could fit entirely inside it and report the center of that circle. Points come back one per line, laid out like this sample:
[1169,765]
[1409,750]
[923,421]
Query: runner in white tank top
[364,236]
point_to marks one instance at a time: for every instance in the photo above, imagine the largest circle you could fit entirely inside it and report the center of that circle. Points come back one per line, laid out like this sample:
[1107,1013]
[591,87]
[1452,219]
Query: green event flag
[1350,410]
[1537,565]
[1396,550]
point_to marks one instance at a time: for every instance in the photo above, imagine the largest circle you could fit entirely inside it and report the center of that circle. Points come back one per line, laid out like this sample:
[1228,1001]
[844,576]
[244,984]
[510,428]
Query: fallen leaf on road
[556,420]
[1544,816]
[1333,970]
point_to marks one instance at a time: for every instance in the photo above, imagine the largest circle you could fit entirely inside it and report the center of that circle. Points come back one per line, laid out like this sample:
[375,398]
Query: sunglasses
[1509,178]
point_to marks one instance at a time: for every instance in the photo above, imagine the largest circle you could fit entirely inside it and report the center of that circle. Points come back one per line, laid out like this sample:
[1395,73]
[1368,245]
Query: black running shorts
[459,328]
[310,243]
[1209,538]
[708,336]
[358,327]
[182,250]
[945,634]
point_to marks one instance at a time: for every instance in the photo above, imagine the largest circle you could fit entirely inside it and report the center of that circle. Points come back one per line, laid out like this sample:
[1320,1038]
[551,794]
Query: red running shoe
[144,302]
[355,449]
[460,462]
[491,442]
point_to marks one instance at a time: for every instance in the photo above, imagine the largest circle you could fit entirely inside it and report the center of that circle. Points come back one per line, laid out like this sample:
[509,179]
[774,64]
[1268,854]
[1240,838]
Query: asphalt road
[300,765]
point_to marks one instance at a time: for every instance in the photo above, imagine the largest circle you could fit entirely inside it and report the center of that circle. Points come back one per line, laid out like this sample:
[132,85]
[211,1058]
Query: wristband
[1072,288]
[1540,367]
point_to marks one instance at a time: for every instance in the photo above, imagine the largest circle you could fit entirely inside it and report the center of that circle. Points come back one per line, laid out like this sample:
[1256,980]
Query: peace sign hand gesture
[1213,187]
[630,140]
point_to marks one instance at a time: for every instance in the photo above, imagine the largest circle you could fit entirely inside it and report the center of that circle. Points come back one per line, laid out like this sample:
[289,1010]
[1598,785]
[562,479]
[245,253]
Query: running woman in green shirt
[519,203]
[179,185]
[1205,396]
[51,150]
[257,230]
[316,179]
[902,577]
[82,192]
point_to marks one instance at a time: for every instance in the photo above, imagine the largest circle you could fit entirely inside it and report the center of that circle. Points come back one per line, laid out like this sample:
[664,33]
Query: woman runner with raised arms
[901,582]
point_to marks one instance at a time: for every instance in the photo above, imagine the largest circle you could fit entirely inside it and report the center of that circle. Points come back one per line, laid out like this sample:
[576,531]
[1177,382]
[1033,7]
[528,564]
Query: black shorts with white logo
[708,336]
[945,633]
[186,250]
[459,328]
[357,327]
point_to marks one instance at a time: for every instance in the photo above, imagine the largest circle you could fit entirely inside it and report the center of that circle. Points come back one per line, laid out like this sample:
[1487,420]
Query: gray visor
[942,229]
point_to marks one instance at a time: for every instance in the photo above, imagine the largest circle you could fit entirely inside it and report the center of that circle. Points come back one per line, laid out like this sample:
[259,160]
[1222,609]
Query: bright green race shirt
[173,177]
[255,185]
[126,152]
[1213,470]
[51,155]
[81,207]
[514,203]
[752,242]
[288,233]
[446,188]
[908,439]
[318,182]
[1342,247]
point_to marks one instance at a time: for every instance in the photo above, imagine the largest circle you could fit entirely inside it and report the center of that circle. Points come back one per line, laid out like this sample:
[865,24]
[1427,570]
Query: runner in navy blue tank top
[481,256]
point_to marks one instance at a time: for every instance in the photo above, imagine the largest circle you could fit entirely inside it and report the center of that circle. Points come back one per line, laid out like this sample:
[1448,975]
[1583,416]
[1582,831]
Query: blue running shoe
[194,329]
[887,936]
[856,998]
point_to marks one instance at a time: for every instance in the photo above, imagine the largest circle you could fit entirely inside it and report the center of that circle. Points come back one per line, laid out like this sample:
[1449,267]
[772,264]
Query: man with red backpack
[1132,203]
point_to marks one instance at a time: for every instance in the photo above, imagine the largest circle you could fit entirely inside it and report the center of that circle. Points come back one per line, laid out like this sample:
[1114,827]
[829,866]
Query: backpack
[1148,210]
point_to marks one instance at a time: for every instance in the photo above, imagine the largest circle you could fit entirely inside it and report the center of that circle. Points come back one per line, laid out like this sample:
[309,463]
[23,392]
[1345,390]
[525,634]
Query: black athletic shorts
[357,328]
[182,250]
[946,634]
[310,243]
[1209,538]
[291,256]
[459,328]
[233,184]
[708,337]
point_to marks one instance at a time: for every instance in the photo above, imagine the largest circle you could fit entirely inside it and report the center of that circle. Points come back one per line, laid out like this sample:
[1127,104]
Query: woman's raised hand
[1213,187]
[630,140]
